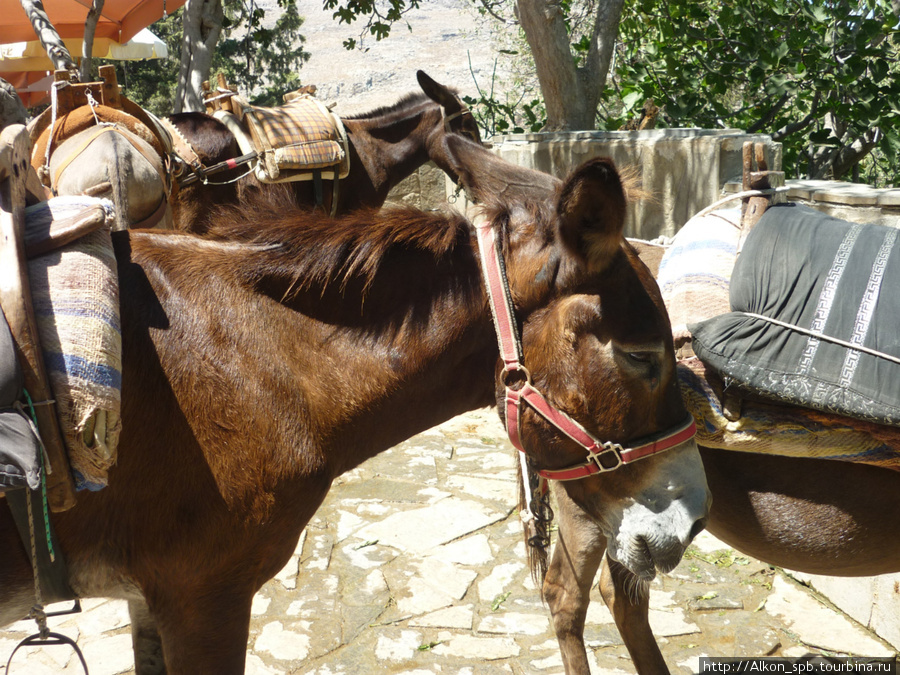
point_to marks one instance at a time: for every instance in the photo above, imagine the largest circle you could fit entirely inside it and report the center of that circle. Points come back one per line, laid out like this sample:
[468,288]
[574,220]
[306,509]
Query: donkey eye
[642,357]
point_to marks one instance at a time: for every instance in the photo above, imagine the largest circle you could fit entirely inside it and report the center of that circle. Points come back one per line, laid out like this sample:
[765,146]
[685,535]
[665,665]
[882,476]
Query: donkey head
[596,343]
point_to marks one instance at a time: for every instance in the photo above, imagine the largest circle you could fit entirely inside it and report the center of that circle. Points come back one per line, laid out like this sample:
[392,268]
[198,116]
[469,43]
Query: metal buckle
[613,449]
[515,378]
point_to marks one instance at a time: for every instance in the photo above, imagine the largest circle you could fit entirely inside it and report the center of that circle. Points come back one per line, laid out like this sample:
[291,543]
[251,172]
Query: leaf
[428,646]
[631,99]
[499,600]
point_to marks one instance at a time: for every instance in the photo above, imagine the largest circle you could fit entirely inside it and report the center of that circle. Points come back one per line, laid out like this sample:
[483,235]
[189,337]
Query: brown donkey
[812,515]
[260,366]
[386,145]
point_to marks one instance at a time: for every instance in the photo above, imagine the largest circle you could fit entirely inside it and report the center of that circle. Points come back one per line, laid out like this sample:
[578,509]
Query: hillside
[444,40]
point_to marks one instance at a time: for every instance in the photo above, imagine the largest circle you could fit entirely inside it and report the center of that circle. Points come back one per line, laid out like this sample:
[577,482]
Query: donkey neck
[393,143]
[344,380]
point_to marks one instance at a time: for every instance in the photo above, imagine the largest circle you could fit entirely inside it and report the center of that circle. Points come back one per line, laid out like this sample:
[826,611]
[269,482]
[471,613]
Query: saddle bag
[813,318]
[20,445]
[296,140]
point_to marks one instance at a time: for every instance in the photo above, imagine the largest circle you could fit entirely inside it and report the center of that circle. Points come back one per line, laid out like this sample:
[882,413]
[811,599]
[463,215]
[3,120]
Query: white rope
[823,337]
[740,195]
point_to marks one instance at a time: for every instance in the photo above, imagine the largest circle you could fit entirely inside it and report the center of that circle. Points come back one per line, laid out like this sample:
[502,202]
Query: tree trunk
[571,93]
[48,36]
[87,45]
[202,26]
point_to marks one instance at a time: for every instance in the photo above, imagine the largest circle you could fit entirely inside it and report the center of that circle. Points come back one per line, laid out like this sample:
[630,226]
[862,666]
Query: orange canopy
[120,20]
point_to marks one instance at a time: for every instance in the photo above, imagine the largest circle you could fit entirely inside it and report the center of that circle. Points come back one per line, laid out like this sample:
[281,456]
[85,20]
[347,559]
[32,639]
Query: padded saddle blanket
[777,429]
[75,296]
[295,139]
[814,316]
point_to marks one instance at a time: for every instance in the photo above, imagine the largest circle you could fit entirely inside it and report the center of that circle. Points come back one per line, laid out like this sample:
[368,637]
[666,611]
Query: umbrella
[33,87]
[26,66]
[28,56]
[121,20]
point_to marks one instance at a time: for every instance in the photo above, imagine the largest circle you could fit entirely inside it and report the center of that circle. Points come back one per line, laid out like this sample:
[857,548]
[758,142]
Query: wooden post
[223,103]
[15,302]
[757,177]
[110,95]
[65,101]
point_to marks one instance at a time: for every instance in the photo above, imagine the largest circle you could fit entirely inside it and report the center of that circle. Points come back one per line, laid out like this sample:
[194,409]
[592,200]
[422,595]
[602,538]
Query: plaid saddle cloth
[295,139]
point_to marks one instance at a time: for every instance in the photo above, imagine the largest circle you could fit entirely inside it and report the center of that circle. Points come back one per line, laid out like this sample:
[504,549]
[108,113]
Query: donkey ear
[438,93]
[487,177]
[591,210]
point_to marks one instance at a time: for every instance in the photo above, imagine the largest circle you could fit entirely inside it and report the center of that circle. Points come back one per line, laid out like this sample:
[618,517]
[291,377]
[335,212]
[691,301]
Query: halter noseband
[601,456]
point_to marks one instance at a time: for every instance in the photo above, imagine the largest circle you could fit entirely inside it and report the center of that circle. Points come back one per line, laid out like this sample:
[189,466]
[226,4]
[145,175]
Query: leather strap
[601,455]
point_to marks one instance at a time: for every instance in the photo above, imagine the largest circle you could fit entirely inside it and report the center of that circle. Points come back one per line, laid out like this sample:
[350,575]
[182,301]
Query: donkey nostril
[698,527]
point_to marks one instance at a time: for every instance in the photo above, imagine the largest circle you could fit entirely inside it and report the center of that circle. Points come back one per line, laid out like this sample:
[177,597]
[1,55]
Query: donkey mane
[296,252]
[409,101]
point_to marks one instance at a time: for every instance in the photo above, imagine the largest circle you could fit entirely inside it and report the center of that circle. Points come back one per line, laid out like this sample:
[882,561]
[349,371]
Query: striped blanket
[695,271]
[76,303]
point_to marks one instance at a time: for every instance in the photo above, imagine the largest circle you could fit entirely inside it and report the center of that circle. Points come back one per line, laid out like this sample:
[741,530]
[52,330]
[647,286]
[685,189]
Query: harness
[602,456]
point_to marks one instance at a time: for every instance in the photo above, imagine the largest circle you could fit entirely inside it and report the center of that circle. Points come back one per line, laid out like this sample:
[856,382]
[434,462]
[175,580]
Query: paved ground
[414,565]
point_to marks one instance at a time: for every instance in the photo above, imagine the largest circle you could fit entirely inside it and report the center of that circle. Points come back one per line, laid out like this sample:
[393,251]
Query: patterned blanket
[295,139]
[778,429]
[694,276]
[76,303]
[813,318]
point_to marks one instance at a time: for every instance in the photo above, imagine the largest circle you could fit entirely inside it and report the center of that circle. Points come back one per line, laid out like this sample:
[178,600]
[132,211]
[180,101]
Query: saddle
[99,105]
[300,140]
[740,375]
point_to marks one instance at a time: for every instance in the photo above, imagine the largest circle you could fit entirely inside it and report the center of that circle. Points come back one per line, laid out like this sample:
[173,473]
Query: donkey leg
[204,631]
[629,602]
[570,575]
[145,640]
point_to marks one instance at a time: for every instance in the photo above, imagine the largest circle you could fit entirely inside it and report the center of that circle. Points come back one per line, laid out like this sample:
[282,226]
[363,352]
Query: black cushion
[829,292]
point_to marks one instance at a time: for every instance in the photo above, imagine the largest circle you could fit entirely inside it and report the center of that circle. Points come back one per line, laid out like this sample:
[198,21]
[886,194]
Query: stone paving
[415,565]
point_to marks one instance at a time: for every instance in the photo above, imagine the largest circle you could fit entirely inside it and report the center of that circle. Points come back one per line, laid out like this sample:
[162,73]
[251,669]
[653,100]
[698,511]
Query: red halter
[601,456]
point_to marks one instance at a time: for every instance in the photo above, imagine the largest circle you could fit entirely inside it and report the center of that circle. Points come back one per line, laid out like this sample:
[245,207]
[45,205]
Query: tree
[571,58]
[202,25]
[48,36]
[820,77]
[261,62]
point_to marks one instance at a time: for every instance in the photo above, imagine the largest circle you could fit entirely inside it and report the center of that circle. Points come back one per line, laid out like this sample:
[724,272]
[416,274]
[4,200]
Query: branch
[48,36]
[490,10]
[766,119]
[87,45]
[850,155]
[794,127]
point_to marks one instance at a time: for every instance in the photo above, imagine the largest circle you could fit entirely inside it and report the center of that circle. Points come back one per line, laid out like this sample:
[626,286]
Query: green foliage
[151,83]
[380,16]
[262,62]
[506,116]
[815,75]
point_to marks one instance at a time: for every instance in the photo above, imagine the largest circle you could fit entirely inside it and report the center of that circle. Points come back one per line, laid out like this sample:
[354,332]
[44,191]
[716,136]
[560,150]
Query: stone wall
[855,202]
[683,170]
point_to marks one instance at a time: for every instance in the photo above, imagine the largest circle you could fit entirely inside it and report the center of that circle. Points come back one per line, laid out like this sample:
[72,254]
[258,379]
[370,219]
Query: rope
[740,195]
[44,501]
[822,336]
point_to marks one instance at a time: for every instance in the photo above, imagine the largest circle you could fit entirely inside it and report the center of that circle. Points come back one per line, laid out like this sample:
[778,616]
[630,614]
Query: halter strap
[453,116]
[602,456]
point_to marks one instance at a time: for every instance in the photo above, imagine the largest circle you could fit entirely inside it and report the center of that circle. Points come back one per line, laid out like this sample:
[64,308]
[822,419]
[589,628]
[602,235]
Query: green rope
[43,482]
